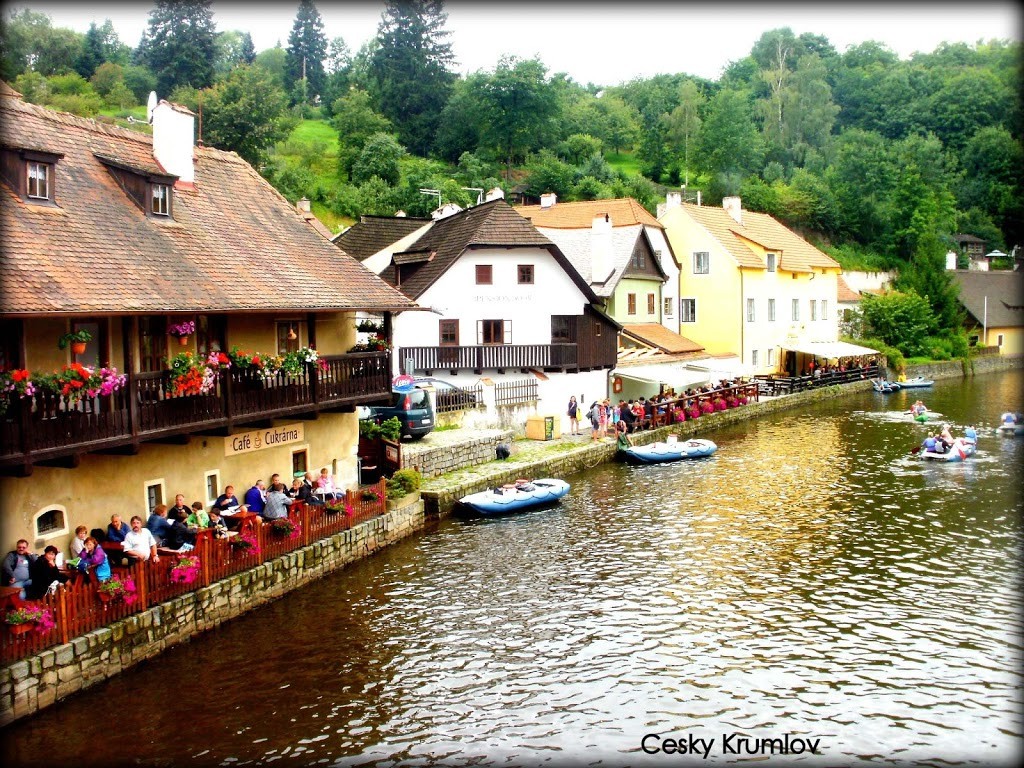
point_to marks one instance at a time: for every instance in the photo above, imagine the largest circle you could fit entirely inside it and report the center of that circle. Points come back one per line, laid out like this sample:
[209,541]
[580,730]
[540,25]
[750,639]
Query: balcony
[49,428]
[501,357]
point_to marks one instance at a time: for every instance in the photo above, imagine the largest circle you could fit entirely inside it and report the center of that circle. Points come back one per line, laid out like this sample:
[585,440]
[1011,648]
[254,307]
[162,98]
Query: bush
[391,429]
[403,482]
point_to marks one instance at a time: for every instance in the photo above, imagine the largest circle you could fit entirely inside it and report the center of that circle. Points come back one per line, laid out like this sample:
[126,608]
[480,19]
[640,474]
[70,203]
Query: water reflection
[811,578]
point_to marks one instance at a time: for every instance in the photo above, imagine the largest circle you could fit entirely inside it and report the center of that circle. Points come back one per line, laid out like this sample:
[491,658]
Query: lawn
[623,161]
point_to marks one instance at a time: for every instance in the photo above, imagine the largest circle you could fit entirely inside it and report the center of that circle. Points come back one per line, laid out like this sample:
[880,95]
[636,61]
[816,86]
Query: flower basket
[192,375]
[182,330]
[245,544]
[282,527]
[77,340]
[77,381]
[115,589]
[186,570]
[27,618]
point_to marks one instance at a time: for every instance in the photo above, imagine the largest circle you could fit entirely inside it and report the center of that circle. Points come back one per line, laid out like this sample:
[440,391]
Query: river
[811,583]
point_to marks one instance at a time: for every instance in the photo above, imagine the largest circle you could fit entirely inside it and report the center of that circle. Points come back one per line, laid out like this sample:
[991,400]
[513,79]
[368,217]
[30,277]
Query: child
[220,528]
[198,518]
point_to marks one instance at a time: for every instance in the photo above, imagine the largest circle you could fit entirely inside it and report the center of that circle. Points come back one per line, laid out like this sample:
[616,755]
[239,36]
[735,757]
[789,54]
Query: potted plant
[403,488]
[186,570]
[29,617]
[282,526]
[115,589]
[182,331]
[369,326]
[245,543]
[77,339]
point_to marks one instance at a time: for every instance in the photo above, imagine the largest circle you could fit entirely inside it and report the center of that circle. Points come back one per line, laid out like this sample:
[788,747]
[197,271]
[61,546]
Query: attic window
[30,173]
[771,261]
[160,202]
[147,186]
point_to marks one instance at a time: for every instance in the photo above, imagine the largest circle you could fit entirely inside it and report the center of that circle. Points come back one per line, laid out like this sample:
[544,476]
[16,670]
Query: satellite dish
[150,106]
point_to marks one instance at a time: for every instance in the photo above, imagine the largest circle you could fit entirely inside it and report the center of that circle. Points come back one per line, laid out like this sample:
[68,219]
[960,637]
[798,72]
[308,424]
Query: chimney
[174,129]
[303,205]
[548,200]
[601,248]
[497,193]
[733,207]
[950,259]
[672,200]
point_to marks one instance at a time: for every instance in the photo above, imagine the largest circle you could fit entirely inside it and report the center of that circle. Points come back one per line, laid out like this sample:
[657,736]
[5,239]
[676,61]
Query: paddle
[915,450]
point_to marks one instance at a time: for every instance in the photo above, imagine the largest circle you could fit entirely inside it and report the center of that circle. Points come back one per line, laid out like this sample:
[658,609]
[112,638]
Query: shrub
[403,482]
[391,429]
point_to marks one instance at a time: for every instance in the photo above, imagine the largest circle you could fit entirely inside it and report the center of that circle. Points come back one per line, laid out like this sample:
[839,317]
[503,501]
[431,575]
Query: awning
[723,367]
[673,374]
[829,350]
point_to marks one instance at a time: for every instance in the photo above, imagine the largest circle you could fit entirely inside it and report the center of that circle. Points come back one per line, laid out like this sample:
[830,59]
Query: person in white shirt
[78,543]
[139,542]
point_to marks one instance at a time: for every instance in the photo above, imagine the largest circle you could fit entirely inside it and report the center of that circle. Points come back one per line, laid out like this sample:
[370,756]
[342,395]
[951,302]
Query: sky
[604,43]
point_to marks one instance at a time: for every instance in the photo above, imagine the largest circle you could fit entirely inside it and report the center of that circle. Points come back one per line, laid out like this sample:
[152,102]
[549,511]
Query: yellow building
[994,302]
[219,323]
[749,286]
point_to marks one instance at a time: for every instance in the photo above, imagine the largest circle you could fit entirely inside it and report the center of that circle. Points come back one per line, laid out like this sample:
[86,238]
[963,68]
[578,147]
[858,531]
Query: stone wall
[36,682]
[435,460]
[955,369]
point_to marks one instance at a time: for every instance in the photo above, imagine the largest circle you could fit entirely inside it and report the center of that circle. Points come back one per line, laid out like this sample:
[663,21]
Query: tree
[808,110]
[410,70]
[901,319]
[731,146]
[993,180]
[246,113]
[101,45]
[379,157]
[247,50]
[272,61]
[307,49]
[30,42]
[683,123]
[517,108]
[180,45]
[231,51]
[356,121]
[107,75]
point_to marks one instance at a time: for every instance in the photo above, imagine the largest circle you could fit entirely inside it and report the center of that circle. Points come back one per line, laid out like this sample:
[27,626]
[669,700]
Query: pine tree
[248,49]
[307,49]
[410,69]
[180,44]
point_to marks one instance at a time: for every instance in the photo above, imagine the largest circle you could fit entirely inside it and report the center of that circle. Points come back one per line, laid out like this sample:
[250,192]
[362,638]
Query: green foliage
[307,49]
[379,157]
[403,482]
[391,429]
[179,46]
[518,108]
[901,319]
[893,358]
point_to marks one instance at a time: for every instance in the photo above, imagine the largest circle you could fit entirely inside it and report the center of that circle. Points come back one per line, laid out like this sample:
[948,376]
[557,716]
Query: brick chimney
[174,130]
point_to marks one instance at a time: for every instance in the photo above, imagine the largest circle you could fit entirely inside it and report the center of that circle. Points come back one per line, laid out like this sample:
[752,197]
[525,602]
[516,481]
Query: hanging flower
[185,328]
[218,360]
[116,589]
[186,570]
[191,375]
[282,526]
[246,542]
[27,614]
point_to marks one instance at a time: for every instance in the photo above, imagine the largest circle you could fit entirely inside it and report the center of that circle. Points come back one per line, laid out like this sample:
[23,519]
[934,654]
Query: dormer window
[771,261]
[38,180]
[30,173]
[161,199]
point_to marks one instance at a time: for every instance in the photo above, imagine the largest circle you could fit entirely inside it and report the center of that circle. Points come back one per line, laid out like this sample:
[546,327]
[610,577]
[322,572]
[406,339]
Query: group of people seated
[271,501]
[942,442]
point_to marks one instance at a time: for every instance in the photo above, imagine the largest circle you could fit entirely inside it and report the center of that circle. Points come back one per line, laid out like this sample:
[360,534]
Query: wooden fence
[80,606]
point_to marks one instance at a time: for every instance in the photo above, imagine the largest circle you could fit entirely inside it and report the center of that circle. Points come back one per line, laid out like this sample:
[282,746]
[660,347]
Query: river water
[812,581]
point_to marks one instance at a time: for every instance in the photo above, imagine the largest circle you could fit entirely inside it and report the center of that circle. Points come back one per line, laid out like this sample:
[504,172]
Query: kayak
[516,497]
[656,453]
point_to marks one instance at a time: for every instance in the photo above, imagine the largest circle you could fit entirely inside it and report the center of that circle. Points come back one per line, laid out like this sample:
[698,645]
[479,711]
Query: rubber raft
[517,497]
[656,453]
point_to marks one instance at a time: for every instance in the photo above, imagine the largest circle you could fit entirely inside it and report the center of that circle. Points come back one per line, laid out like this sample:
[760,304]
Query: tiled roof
[657,335]
[796,254]
[234,243]
[993,297]
[624,211]
[576,244]
[372,234]
[844,293]
[490,225]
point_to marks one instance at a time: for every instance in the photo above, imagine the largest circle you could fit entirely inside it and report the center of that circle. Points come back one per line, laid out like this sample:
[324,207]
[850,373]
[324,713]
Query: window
[630,303]
[701,263]
[999,339]
[91,356]
[212,487]
[687,310]
[562,329]
[448,333]
[814,310]
[638,260]
[525,274]
[753,357]
[154,493]
[824,309]
[796,310]
[484,275]
[667,307]
[771,261]
[300,462]
[39,180]
[152,343]
[771,358]
[493,331]
[287,336]
[771,310]
[51,522]
[750,310]
[160,199]
[211,331]
[652,305]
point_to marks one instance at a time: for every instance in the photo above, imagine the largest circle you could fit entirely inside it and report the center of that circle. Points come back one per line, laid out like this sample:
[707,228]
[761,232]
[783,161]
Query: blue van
[411,406]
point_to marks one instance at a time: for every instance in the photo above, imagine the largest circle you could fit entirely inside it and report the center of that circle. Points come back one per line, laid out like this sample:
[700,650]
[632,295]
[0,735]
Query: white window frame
[683,314]
[506,331]
[160,199]
[770,257]
[667,306]
[771,310]
[146,485]
[771,357]
[701,259]
[215,474]
[750,310]
[814,310]
[796,310]
[824,309]
[753,358]
[56,532]
[34,180]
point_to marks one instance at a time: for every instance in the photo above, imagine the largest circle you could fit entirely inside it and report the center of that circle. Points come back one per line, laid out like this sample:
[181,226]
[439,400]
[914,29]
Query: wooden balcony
[502,357]
[48,428]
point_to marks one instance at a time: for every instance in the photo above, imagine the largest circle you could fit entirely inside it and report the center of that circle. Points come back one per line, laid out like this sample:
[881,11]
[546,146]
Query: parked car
[411,406]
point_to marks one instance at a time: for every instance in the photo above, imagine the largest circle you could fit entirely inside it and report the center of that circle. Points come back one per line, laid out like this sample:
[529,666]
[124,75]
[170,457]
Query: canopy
[829,350]
[723,367]
[674,374]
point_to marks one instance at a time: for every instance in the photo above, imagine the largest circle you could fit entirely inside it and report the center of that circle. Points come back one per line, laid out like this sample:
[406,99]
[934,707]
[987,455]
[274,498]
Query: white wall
[670,288]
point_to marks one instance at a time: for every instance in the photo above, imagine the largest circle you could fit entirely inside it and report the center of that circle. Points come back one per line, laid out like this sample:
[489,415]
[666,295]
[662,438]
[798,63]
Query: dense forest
[877,160]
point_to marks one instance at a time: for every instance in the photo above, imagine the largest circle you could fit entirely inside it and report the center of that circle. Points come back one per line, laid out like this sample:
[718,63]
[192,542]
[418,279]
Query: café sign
[258,439]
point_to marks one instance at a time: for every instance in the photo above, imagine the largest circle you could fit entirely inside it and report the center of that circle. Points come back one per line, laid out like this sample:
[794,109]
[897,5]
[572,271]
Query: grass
[623,161]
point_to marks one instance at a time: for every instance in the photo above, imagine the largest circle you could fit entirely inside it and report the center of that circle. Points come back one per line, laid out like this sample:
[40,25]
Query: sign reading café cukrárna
[258,439]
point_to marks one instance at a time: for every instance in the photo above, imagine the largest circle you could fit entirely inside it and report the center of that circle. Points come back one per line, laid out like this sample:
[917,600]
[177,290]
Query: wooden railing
[785,385]
[490,356]
[48,426]
[78,608]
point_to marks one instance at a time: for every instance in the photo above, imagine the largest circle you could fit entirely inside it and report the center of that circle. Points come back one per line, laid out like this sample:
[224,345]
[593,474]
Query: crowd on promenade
[629,416]
[168,529]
